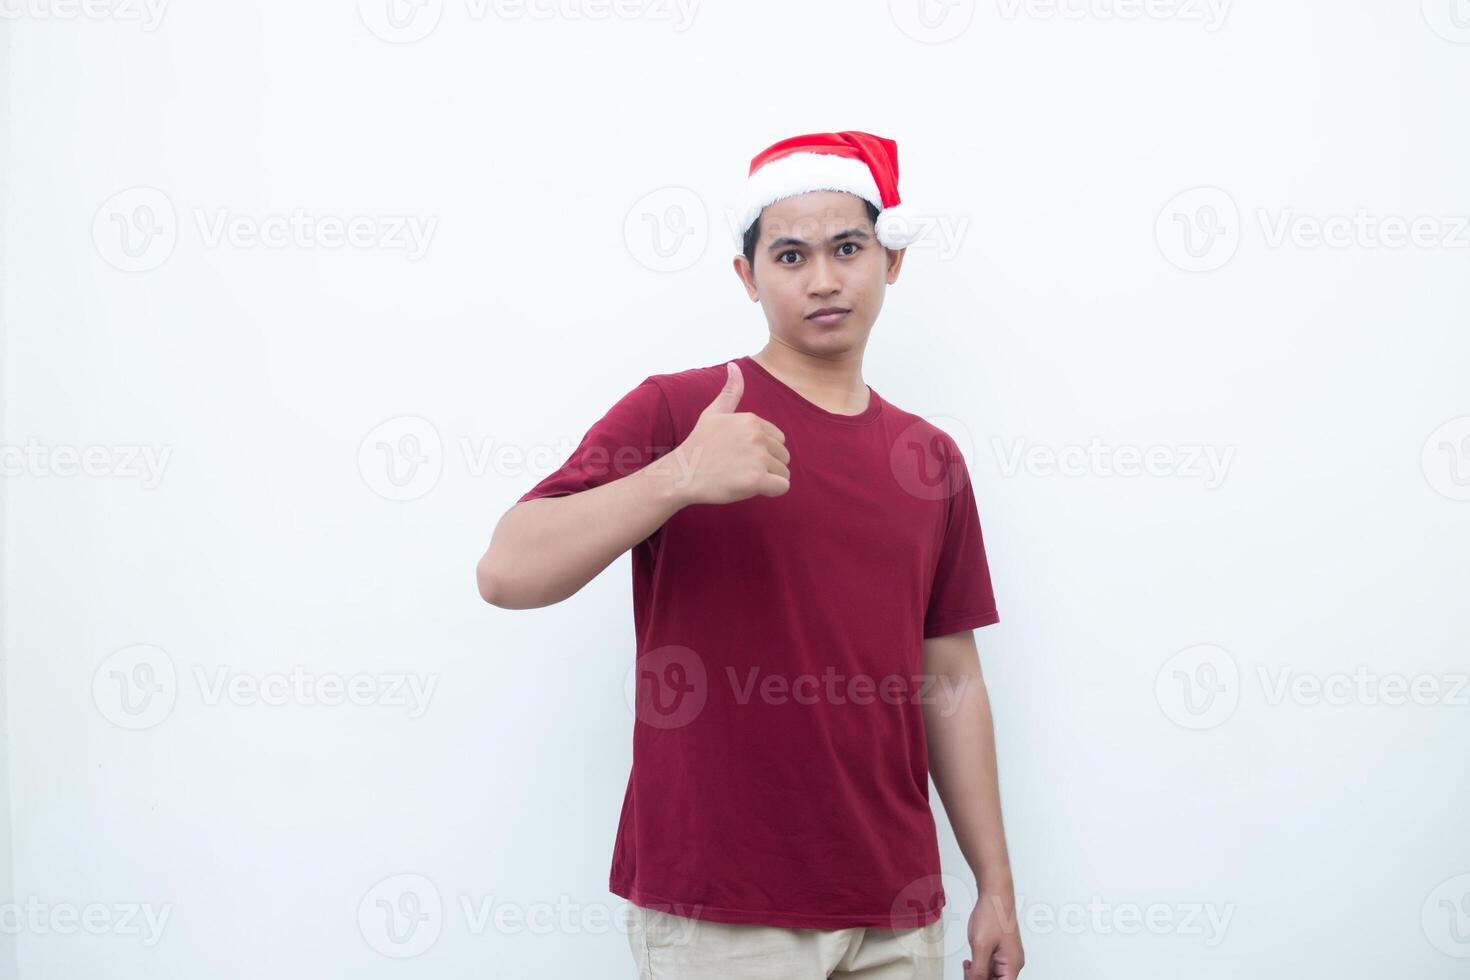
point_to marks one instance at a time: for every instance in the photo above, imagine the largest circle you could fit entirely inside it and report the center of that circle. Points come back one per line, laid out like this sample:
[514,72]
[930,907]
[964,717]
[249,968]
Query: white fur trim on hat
[798,173]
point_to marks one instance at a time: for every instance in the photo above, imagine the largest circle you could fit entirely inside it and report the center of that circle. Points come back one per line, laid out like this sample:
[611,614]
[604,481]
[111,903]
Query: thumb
[729,395]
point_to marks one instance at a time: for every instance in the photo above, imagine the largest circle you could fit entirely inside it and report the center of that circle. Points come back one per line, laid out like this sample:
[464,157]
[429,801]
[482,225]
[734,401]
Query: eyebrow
[840,236]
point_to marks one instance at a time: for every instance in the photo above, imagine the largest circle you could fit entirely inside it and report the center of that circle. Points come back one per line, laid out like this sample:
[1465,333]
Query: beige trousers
[673,947]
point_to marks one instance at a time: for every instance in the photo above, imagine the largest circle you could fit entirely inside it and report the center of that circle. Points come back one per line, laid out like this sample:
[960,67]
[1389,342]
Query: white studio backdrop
[299,298]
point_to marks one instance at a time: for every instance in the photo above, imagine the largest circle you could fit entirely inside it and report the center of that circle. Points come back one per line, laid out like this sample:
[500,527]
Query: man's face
[818,251]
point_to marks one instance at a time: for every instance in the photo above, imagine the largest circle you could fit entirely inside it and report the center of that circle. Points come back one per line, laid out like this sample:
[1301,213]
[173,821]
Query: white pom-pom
[898,227]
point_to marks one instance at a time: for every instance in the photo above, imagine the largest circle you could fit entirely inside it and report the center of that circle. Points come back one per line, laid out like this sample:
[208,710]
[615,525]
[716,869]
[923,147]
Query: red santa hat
[851,161]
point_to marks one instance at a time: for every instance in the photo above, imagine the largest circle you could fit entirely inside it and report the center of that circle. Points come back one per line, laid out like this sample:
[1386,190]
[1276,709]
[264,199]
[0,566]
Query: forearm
[961,737]
[544,550]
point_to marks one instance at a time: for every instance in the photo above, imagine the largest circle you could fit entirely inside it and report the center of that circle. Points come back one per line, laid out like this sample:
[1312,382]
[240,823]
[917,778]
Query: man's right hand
[730,455]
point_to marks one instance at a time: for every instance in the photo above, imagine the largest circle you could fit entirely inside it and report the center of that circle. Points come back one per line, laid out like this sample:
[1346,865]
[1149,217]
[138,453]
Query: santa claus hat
[856,162]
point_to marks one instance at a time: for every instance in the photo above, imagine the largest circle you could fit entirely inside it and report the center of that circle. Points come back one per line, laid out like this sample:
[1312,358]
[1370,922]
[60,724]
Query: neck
[834,383]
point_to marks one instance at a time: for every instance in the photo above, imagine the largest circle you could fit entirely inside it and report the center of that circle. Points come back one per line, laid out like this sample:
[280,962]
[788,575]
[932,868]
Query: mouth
[828,315]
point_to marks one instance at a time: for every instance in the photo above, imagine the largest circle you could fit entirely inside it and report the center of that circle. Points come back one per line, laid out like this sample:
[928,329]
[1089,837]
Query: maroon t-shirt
[780,768]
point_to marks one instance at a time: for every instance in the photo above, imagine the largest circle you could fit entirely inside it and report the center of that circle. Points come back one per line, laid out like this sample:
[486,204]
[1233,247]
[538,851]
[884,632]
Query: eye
[855,247]
[784,254]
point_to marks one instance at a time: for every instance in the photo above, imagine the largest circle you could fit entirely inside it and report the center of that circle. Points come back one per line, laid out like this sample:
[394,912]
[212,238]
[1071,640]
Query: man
[808,568]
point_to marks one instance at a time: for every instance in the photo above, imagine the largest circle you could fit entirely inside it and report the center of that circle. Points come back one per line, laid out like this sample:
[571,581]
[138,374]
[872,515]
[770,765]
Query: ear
[895,262]
[747,276]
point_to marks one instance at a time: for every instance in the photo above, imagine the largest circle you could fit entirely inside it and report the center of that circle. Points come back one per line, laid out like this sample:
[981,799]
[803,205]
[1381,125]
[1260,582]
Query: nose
[824,281]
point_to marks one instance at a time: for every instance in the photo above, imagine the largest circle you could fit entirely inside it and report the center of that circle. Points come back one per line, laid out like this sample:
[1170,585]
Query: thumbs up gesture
[732,455]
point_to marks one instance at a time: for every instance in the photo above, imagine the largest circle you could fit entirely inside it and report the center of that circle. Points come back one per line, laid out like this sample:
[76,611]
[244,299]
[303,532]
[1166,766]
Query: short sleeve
[961,597]
[635,431]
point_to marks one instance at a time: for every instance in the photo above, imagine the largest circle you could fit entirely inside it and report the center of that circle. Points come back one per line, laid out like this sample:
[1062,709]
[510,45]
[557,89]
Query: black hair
[753,233]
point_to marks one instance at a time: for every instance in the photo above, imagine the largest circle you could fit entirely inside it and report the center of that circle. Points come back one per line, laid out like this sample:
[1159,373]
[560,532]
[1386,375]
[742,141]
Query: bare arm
[961,737]
[544,550]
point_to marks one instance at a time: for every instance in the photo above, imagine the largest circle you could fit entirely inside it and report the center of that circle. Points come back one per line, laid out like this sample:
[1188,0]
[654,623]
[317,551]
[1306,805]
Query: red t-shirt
[780,768]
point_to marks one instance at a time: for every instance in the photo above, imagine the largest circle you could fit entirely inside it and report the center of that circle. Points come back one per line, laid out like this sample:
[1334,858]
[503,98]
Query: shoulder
[930,452]
[684,394]
[907,426]
[687,392]
[680,386]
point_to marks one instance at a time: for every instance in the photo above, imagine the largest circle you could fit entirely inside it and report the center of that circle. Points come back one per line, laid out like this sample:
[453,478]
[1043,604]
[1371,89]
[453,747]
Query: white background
[328,419]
